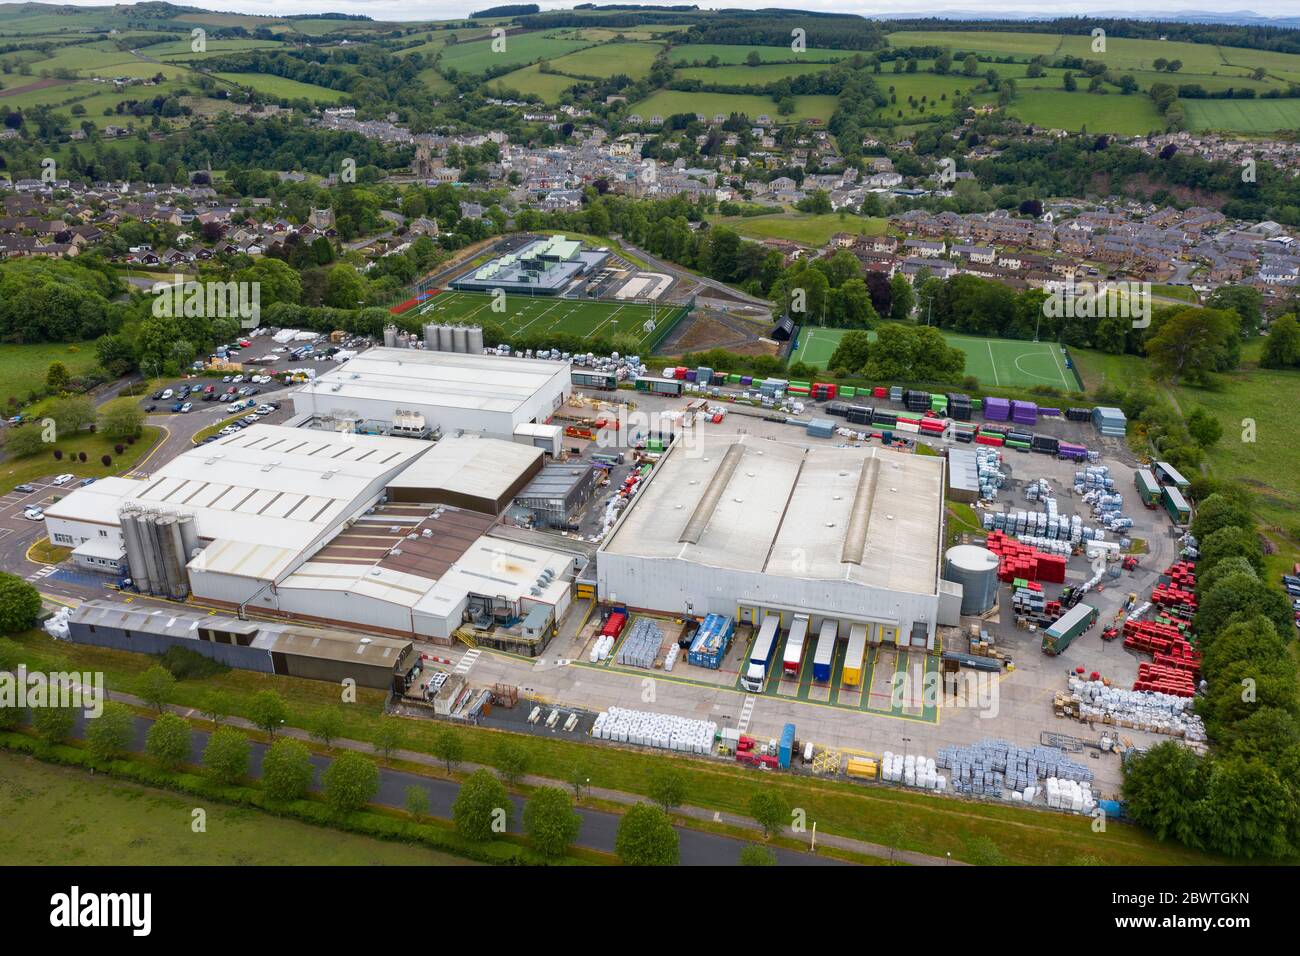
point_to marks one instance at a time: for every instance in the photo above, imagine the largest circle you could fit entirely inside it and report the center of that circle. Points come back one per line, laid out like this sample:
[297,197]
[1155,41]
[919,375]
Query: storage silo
[172,553]
[390,336]
[430,335]
[976,570]
[460,339]
[475,334]
[135,557]
[444,338]
[189,537]
[144,524]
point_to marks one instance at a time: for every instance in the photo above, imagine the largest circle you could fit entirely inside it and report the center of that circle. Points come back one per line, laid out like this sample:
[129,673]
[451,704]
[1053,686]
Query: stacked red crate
[1165,680]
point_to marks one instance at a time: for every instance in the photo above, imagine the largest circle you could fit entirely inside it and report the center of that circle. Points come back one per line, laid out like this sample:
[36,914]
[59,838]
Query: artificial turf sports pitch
[592,319]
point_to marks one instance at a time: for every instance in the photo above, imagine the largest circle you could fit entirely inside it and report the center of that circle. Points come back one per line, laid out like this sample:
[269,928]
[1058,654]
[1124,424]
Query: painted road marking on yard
[745,713]
[994,363]
[41,572]
[467,661]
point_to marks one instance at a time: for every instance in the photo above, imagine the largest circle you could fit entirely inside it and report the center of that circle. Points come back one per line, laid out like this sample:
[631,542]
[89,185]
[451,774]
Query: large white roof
[819,512]
[421,378]
[470,465]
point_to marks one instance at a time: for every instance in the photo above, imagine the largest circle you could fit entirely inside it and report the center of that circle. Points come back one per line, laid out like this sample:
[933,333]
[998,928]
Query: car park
[62,479]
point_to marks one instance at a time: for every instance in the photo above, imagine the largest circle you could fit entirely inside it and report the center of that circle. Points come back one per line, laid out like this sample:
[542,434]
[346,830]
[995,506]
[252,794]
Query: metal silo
[430,335]
[144,524]
[390,336]
[460,340]
[976,570]
[444,338]
[189,537]
[169,541]
[475,334]
[135,558]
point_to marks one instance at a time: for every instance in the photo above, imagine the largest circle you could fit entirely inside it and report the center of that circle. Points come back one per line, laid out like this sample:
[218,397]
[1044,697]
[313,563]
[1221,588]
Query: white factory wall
[229,588]
[669,584]
[69,532]
[344,608]
[430,625]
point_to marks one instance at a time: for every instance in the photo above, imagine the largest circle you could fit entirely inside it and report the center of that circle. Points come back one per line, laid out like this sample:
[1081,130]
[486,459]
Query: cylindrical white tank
[430,335]
[460,339]
[189,537]
[135,558]
[475,339]
[444,338]
[976,570]
[390,336]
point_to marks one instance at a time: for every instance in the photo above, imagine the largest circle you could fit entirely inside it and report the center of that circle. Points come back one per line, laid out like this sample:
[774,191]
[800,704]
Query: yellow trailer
[856,652]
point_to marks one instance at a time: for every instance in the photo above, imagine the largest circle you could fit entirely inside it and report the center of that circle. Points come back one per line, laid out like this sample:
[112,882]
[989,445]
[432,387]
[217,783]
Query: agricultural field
[530,79]
[690,53]
[1242,116]
[36,92]
[939,93]
[667,102]
[60,808]
[180,49]
[1027,45]
[23,367]
[521,50]
[283,87]
[803,228]
[1111,113]
[441,38]
[436,82]
[996,362]
[742,75]
[610,59]
[1125,54]
[586,318]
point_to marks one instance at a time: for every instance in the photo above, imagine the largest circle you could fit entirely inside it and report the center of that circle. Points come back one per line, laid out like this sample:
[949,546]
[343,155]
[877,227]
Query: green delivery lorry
[1067,627]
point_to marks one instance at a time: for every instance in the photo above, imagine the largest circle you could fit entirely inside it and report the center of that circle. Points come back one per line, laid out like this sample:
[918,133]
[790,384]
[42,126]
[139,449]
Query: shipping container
[588,378]
[1067,627]
[711,641]
[1167,474]
[824,656]
[1179,510]
[793,656]
[760,657]
[1147,487]
[658,386]
[785,750]
[852,674]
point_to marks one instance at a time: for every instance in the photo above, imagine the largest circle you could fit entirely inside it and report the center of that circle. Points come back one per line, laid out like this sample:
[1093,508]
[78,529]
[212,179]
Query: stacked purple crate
[1049,412]
[1024,413]
[997,409]
[1072,451]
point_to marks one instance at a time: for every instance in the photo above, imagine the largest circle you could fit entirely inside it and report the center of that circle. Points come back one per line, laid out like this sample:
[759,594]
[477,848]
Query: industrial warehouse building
[557,493]
[333,528]
[543,267]
[749,527]
[269,648]
[396,391]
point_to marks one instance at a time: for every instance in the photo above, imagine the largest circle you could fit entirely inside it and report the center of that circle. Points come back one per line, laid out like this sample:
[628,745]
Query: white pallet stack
[650,729]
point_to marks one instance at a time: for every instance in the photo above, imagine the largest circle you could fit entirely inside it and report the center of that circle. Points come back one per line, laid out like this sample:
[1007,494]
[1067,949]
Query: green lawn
[1112,113]
[742,75]
[15,471]
[23,367]
[58,816]
[812,230]
[533,315]
[930,824]
[667,102]
[283,87]
[530,79]
[1242,116]
[689,53]
[610,59]
[1027,45]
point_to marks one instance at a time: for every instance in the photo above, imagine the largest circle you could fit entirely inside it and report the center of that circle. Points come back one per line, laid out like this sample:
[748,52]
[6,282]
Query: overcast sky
[448,9]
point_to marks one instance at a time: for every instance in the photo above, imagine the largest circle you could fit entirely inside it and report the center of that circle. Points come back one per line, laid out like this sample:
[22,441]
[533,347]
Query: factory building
[545,266]
[269,648]
[557,494]
[335,529]
[749,527]
[400,391]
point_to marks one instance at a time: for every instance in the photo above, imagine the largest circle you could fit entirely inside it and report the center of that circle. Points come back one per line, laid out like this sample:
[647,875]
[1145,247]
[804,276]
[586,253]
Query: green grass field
[667,102]
[812,230]
[587,318]
[610,59]
[1019,44]
[283,87]
[23,367]
[1242,116]
[59,816]
[998,362]
[689,53]
[1057,109]
[742,75]
[530,79]
[477,56]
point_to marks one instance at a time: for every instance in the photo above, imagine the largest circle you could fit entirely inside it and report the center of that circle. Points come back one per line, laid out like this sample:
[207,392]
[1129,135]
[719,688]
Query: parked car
[177,406]
[62,479]
[33,514]
[25,488]
[151,407]
[237,379]
[157,396]
[227,378]
[187,407]
[209,389]
[167,394]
